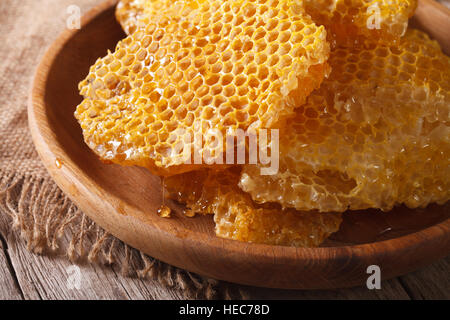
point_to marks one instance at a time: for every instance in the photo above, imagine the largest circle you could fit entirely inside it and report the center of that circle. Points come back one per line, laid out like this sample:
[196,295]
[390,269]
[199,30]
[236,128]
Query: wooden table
[24,275]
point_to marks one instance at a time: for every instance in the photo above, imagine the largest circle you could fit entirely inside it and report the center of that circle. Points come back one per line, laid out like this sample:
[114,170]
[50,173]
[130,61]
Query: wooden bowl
[124,200]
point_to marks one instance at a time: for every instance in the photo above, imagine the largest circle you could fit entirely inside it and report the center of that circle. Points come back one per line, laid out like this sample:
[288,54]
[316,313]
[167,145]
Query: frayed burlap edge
[43,215]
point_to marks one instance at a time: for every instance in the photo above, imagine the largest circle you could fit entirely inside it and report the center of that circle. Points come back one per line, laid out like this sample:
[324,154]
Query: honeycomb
[237,217]
[376,134]
[134,14]
[353,22]
[348,22]
[129,12]
[206,66]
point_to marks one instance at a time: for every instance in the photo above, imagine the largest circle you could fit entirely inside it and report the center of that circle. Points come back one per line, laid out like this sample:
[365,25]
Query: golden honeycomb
[134,14]
[376,134]
[207,66]
[348,22]
[353,22]
[237,217]
[128,13]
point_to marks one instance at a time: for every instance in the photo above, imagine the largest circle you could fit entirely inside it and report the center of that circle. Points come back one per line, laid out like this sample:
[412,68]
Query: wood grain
[430,283]
[435,18]
[124,200]
[10,289]
[24,275]
[39,282]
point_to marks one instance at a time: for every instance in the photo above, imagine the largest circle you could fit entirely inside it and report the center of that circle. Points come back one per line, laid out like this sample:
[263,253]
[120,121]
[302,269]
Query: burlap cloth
[38,209]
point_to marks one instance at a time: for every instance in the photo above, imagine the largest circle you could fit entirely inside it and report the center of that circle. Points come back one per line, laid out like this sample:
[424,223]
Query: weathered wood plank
[432,282]
[55,277]
[9,289]
[391,289]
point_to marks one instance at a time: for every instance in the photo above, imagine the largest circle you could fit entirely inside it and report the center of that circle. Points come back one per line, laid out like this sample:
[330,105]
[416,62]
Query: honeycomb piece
[237,217]
[376,134]
[214,66]
[134,14]
[353,22]
[129,12]
[349,22]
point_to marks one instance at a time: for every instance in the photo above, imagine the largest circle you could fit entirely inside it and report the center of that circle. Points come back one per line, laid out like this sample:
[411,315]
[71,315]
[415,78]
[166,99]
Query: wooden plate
[124,201]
